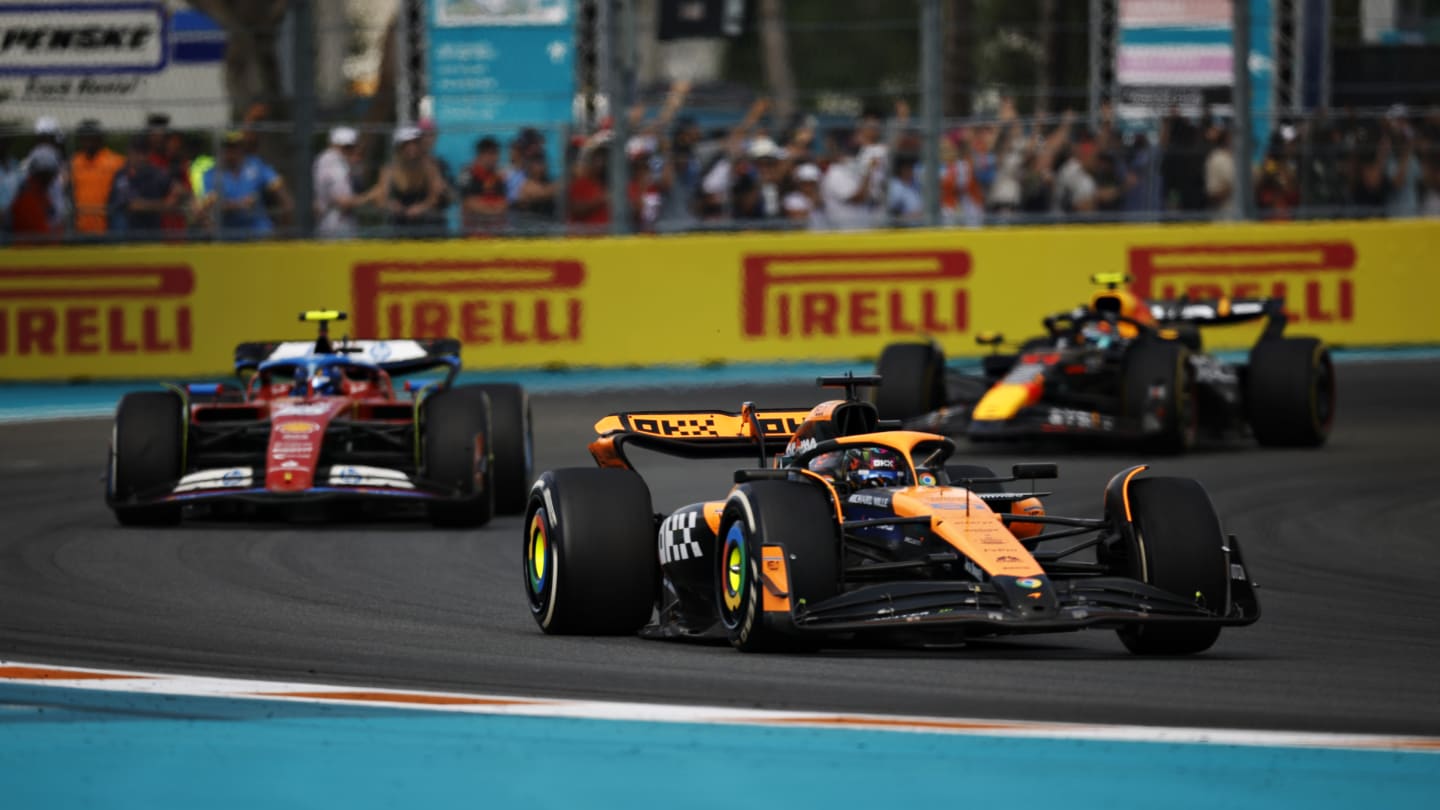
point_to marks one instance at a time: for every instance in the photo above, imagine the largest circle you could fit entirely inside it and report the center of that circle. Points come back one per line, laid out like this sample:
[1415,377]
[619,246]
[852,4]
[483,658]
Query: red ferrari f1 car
[322,420]
[854,529]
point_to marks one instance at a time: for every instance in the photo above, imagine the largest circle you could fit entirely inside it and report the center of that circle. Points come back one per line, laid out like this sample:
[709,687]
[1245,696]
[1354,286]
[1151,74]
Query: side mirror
[1034,470]
[989,338]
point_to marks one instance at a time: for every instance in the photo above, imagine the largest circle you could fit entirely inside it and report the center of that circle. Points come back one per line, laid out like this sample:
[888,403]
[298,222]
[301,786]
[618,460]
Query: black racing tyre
[1163,365]
[512,444]
[147,449]
[801,518]
[1290,392]
[912,380]
[456,455]
[958,472]
[590,560]
[1178,546]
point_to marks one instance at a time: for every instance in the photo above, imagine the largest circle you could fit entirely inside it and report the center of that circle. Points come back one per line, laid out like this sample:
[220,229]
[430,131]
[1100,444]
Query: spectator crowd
[759,173]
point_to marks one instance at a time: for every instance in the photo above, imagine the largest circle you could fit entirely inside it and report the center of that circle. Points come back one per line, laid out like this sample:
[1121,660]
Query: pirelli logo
[1314,278]
[855,294]
[120,310]
[493,301]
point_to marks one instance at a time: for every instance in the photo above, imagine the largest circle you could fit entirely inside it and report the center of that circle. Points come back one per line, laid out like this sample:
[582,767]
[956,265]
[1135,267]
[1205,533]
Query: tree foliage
[252,65]
[849,54]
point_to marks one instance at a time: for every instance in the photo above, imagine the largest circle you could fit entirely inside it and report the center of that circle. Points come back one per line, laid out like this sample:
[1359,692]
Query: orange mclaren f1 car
[1123,368]
[854,530]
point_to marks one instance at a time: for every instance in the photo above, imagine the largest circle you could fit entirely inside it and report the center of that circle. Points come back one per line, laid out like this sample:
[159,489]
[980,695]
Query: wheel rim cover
[733,577]
[538,562]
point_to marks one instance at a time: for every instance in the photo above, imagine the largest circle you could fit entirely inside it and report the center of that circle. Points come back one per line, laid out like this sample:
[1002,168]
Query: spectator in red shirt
[32,214]
[589,201]
[483,199]
[164,152]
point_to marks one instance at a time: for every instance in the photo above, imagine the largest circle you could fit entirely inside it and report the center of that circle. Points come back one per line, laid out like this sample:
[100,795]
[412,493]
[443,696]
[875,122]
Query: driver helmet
[1098,333]
[327,379]
[875,467]
[301,383]
[831,465]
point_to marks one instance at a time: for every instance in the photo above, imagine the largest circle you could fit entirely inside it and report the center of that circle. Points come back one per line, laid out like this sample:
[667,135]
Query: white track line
[15,672]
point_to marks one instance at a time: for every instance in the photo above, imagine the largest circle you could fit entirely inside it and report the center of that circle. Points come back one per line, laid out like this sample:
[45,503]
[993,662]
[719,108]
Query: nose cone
[1005,400]
[1032,597]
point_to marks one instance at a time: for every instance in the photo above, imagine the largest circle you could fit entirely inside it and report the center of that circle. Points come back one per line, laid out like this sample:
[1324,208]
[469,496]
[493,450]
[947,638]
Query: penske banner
[177,311]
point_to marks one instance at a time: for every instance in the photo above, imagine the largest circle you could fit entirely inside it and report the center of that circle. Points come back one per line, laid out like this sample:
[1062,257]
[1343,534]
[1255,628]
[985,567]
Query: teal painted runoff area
[63,748]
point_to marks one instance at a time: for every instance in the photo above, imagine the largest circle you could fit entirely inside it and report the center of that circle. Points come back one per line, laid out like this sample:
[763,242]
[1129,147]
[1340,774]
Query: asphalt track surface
[1343,541]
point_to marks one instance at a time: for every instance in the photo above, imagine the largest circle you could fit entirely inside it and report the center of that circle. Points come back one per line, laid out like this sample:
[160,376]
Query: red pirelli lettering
[506,301]
[97,283]
[122,309]
[903,292]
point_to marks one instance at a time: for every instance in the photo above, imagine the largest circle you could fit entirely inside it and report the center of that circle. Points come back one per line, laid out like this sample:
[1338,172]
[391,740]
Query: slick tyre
[511,444]
[146,455]
[1162,367]
[1177,546]
[456,456]
[1290,392]
[798,517]
[590,560]
[912,380]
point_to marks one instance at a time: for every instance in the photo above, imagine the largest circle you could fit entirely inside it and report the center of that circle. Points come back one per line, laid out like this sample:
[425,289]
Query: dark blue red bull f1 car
[1123,368]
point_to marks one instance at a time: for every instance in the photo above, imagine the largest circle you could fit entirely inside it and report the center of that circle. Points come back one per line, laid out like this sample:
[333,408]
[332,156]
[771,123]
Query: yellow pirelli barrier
[179,310]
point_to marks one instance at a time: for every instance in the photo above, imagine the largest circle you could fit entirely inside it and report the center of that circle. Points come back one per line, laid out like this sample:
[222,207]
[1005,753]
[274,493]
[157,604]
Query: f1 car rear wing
[727,434]
[404,356]
[397,357]
[694,434]
[1222,311]
[1116,301]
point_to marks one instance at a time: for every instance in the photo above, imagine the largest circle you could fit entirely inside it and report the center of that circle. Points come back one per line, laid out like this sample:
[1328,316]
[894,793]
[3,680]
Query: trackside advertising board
[178,310]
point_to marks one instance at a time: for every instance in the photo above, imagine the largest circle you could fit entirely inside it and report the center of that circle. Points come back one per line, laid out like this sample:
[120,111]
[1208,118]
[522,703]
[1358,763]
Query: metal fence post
[619,36]
[1240,101]
[930,33]
[1328,14]
[303,56]
[1094,51]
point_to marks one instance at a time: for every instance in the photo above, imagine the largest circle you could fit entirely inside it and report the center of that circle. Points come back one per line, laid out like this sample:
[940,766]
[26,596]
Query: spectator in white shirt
[1220,176]
[849,188]
[803,205]
[49,139]
[1075,182]
[335,198]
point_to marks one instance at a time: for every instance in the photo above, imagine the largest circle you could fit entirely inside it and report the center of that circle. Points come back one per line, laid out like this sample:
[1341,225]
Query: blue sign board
[496,66]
